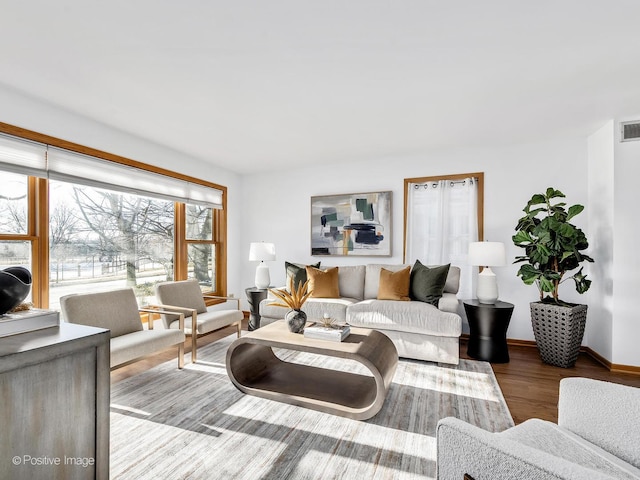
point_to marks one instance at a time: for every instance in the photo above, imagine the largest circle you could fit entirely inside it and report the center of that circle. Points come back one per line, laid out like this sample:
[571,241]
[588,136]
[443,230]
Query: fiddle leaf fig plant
[553,246]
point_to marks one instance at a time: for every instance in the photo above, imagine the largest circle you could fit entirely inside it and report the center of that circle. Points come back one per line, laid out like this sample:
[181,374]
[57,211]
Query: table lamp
[487,255]
[262,252]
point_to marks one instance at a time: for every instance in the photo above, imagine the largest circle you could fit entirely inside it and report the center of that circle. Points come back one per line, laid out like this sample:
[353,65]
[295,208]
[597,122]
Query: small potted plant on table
[553,248]
[296,319]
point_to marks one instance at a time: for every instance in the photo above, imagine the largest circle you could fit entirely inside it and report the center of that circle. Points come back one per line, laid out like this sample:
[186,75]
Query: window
[14,204]
[442,216]
[16,240]
[201,247]
[105,239]
[84,220]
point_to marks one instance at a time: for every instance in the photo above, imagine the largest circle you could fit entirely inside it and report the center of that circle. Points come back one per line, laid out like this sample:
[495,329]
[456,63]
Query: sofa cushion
[323,283]
[351,281]
[449,303]
[559,442]
[372,278]
[418,317]
[315,308]
[296,273]
[427,283]
[453,280]
[394,285]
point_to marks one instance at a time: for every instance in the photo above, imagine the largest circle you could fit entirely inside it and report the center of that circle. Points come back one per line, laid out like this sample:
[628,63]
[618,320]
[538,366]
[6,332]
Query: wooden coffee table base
[255,370]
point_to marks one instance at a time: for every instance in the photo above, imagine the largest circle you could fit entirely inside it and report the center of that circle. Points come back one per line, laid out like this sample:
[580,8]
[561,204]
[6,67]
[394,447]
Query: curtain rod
[435,184]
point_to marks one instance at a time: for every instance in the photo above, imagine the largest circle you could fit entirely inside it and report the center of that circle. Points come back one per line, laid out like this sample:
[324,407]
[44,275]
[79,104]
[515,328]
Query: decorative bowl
[15,284]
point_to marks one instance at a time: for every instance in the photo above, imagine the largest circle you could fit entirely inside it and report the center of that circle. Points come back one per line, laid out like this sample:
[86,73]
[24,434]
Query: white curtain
[442,219]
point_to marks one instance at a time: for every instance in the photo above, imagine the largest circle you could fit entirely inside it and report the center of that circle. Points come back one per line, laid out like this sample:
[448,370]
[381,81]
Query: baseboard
[612,367]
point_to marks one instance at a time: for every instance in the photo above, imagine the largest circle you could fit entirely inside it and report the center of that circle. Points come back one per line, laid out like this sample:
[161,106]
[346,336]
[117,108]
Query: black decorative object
[15,284]
[296,320]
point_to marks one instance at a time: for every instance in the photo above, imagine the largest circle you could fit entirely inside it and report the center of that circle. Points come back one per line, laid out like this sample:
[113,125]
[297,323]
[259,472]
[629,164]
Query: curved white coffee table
[255,370]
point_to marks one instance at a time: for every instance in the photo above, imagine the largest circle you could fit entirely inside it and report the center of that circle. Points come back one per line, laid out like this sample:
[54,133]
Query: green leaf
[553,193]
[546,285]
[574,210]
[537,199]
[522,238]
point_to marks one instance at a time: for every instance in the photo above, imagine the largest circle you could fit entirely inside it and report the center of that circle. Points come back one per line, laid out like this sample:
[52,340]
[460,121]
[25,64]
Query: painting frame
[351,224]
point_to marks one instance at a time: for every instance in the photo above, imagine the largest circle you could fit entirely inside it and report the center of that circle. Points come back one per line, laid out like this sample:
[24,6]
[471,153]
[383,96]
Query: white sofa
[419,330]
[597,437]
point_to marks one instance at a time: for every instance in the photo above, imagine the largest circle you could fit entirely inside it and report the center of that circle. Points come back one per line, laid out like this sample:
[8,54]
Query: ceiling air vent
[630,131]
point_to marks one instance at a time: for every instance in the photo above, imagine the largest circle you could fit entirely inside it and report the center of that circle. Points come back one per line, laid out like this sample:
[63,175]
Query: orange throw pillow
[323,283]
[394,285]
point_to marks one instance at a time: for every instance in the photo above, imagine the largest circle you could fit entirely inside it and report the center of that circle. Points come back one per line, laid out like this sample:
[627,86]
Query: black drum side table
[488,325]
[255,296]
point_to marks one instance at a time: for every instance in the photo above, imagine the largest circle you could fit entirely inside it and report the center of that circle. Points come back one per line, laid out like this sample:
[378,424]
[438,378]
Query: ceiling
[261,85]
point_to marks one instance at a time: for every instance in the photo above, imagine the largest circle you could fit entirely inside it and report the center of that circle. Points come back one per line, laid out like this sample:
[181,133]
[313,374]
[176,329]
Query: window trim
[437,178]
[38,230]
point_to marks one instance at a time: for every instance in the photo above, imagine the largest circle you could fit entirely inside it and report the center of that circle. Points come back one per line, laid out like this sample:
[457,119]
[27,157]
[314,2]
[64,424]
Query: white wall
[626,257]
[599,328]
[41,117]
[276,206]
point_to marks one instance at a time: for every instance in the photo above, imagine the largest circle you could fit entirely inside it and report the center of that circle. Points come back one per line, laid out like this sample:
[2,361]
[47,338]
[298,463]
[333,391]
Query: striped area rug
[194,424]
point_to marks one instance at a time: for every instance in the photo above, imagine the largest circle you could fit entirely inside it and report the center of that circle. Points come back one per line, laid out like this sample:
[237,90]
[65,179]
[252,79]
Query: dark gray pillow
[296,273]
[427,284]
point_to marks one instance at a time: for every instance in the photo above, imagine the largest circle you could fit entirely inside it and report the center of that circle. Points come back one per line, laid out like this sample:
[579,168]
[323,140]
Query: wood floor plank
[529,386]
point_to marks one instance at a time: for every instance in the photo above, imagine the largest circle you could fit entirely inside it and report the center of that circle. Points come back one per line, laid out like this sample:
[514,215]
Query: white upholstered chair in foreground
[597,437]
[185,296]
[118,311]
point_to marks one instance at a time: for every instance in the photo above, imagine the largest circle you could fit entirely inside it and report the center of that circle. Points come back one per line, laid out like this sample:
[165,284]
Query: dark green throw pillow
[427,284]
[296,273]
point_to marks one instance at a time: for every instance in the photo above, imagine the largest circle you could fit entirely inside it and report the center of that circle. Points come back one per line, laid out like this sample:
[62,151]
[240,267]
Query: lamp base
[262,279]
[487,291]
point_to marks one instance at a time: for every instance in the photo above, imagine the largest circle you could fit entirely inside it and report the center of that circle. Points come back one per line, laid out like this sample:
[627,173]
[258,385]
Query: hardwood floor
[529,386]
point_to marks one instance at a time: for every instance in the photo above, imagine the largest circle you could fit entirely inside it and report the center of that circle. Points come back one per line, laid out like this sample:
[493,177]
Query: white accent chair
[117,310]
[597,437]
[186,297]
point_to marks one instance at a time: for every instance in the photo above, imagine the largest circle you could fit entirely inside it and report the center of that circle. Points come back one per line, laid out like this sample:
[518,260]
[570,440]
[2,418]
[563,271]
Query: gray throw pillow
[296,273]
[427,283]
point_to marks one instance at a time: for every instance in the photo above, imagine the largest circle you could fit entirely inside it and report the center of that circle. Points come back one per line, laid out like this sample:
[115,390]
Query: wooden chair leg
[181,355]
[239,326]
[194,347]
[194,336]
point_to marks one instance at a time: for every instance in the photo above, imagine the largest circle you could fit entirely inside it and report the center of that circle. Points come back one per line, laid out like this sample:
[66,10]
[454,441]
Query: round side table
[488,325]
[254,297]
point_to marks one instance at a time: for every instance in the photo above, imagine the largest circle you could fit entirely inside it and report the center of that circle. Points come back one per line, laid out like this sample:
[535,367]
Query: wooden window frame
[38,214]
[437,178]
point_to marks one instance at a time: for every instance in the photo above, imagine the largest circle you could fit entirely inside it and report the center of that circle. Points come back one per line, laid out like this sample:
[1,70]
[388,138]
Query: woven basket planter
[558,331]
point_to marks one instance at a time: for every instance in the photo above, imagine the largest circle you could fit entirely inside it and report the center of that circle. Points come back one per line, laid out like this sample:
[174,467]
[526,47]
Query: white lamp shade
[487,254]
[262,252]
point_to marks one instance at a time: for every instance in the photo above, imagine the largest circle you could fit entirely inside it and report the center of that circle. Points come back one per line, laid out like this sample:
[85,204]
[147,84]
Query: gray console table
[54,392]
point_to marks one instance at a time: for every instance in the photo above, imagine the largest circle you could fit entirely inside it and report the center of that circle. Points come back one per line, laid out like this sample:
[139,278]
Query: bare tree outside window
[109,239]
[200,250]
[13,204]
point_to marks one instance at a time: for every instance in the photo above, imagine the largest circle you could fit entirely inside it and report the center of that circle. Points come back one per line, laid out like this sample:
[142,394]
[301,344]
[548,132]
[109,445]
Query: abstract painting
[351,224]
